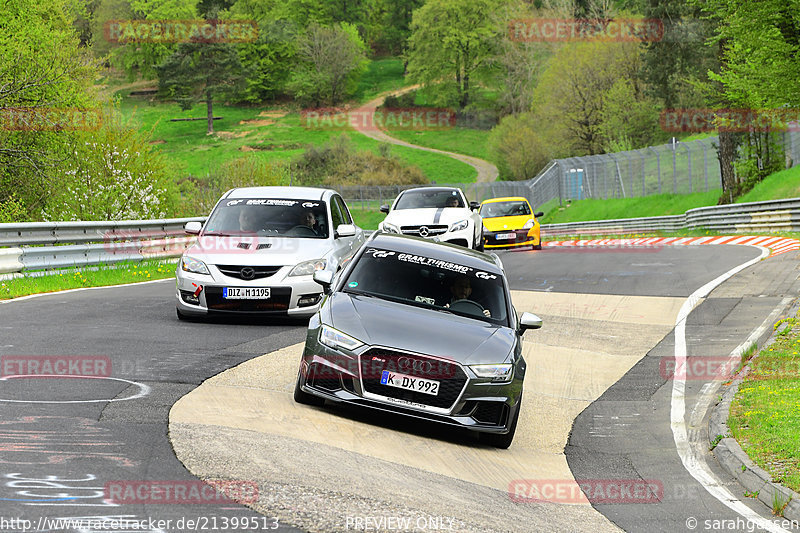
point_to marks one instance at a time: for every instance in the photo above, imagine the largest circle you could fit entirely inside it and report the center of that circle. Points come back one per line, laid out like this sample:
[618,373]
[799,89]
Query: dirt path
[486,171]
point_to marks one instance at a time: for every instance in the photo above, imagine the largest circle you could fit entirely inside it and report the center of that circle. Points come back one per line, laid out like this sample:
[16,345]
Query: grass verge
[765,413]
[87,277]
[643,206]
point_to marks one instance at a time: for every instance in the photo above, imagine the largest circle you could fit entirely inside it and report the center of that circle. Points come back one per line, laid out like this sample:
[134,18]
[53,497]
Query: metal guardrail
[771,215]
[52,245]
[56,245]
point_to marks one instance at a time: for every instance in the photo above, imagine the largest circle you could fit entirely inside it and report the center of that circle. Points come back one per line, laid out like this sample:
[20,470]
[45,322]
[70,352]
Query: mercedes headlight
[306,268]
[336,339]
[529,224]
[496,372]
[190,264]
[458,226]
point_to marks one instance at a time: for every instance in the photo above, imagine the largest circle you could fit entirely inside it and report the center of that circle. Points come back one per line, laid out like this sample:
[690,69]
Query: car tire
[305,398]
[537,246]
[181,316]
[504,440]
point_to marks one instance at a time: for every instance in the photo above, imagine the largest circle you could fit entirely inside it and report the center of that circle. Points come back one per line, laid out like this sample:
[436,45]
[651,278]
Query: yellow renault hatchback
[509,223]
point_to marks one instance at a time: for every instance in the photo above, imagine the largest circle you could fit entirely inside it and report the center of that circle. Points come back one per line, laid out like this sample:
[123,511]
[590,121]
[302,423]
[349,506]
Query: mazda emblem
[247,273]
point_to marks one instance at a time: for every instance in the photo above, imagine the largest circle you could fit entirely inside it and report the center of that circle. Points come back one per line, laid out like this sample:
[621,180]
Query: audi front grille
[451,376]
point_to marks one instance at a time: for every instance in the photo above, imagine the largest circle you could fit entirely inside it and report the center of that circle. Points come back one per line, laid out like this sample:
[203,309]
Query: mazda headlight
[458,226]
[306,268]
[496,372]
[390,228]
[336,339]
[190,264]
[529,224]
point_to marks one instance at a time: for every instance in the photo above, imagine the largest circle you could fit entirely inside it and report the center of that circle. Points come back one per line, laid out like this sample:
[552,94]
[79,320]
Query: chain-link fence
[676,168]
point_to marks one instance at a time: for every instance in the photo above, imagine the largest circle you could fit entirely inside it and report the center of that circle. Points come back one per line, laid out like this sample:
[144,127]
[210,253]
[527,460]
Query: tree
[200,72]
[392,25]
[142,58]
[42,66]
[674,64]
[759,51]
[332,60]
[571,95]
[451,43]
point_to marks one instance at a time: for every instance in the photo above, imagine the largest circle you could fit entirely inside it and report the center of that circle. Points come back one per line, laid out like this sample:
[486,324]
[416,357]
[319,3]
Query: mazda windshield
[270,217]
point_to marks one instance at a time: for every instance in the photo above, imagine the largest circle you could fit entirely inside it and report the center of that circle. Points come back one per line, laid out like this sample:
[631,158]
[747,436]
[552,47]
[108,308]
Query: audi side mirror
[529,321]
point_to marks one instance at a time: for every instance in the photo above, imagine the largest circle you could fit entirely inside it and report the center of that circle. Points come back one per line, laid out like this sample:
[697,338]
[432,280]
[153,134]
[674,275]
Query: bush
[13,210]
[111,173]
[338,163]
[516,148]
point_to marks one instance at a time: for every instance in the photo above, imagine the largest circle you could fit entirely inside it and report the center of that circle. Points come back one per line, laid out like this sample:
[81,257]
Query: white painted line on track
[144,390]
[691,460]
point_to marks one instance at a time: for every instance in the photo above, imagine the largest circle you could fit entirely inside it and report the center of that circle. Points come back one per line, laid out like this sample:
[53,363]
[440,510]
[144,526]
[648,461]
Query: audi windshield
[269,217]
[431,283]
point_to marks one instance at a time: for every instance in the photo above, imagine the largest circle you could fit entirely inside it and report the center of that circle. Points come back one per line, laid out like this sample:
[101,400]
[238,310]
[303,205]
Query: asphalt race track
[66,443]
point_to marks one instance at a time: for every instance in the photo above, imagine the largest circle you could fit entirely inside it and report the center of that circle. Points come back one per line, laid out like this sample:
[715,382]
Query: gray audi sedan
[422,329]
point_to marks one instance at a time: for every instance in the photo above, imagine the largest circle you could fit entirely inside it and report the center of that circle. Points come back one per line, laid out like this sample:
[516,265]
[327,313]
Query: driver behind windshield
[461,289]
[248,221]
[308,219]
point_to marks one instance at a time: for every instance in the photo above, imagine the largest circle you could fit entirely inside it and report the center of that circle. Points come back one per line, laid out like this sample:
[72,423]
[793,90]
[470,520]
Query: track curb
[732,457]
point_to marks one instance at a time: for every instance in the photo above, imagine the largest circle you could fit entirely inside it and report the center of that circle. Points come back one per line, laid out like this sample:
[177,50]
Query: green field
[783,184]
[459,140]
[271,133]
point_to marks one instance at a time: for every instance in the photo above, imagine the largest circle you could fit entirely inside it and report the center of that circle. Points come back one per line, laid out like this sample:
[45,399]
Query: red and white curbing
[776,245]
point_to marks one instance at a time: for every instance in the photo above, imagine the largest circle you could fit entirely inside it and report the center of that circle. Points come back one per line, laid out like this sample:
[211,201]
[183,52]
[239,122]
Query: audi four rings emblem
[406,363]
[423,231]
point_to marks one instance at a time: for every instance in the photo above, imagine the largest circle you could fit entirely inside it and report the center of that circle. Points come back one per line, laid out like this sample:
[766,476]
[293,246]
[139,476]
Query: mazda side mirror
[193,228]
[324,278]
[344,230]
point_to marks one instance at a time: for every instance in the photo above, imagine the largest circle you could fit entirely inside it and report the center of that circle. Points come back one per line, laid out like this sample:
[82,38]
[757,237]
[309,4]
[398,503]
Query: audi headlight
[496,372]
[336,339]
[306,268]
[529,224]
[190,264]
[458,226]
[390,228]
